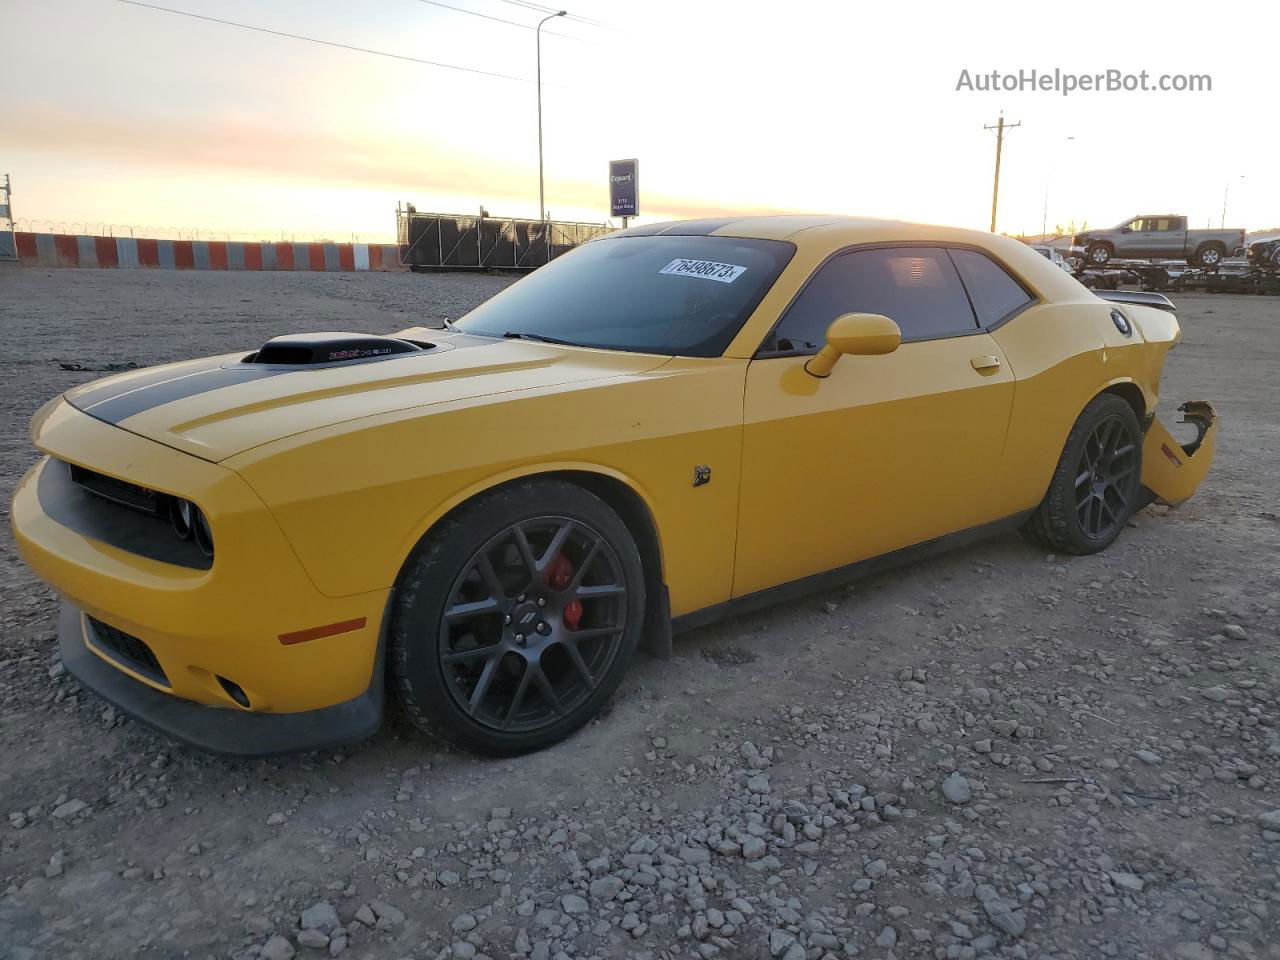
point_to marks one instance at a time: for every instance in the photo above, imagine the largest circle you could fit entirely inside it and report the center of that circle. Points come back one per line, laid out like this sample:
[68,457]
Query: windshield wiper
[517,335]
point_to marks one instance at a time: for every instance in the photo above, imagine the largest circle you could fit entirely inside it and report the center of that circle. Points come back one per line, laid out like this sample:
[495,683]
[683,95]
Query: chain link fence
[440,240]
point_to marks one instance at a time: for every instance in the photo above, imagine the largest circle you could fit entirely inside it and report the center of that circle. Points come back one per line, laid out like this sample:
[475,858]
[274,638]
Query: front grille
[127,650]
[120,491]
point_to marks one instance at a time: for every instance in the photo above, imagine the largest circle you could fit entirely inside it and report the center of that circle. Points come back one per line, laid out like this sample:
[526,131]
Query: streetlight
[1225,191]
[542,203]
[1044,218]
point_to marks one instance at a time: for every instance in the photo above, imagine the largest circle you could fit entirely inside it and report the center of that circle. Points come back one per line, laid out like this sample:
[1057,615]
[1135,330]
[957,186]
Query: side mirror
[863,334]
[1126,229]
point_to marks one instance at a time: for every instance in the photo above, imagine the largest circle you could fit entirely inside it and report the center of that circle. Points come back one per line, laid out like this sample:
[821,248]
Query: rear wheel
[1095,487]
[515,621]
[1210,255]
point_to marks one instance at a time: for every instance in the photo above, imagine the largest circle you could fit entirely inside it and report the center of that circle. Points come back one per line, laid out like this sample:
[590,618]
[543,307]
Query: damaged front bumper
[1173,471]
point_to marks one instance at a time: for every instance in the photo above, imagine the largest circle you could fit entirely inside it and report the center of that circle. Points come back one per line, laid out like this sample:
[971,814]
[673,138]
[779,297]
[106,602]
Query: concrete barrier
[65,250]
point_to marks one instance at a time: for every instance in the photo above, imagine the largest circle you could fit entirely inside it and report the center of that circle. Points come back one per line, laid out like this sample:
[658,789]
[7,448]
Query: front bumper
[241,733]
[1173,471]
[1264,256]
[246,643]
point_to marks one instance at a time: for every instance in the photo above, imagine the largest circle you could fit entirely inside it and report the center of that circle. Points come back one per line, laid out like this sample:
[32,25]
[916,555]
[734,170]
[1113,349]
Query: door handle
[986,363]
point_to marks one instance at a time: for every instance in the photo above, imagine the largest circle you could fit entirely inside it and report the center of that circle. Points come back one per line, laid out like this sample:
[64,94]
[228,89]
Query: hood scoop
[327,349]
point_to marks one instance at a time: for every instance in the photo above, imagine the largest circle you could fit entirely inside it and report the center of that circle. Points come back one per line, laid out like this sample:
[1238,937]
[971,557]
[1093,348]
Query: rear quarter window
[995,294]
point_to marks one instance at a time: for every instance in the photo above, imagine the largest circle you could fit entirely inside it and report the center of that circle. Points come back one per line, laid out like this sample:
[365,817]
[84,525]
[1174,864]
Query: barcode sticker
[704,270]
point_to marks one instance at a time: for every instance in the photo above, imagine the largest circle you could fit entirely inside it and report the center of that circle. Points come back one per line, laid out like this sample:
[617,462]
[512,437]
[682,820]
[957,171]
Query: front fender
[528,472]
[1173,471]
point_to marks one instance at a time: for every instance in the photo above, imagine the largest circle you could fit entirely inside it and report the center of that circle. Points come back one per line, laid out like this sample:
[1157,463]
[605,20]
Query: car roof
[819,235]
[802,228]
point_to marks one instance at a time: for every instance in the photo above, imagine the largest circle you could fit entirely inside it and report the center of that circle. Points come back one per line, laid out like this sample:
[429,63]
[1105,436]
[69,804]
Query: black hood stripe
[115,400]
[111,387]
[137,399]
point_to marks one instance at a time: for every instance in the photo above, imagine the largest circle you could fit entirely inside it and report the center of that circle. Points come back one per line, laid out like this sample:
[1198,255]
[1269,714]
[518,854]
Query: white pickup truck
[1150,236]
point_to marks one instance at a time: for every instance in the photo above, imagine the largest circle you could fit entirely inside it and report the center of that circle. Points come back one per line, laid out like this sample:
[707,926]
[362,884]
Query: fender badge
[701,475]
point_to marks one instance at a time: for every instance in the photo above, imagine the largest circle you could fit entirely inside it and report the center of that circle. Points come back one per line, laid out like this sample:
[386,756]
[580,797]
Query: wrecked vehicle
[666,426]
[1264,254]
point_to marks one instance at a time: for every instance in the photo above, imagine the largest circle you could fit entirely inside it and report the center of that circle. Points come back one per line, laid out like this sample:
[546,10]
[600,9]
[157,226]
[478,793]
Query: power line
[326,43]
[514,23]
[568,16]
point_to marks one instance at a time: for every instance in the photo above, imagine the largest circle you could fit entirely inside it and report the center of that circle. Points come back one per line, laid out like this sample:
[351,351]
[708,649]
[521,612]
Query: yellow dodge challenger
[665,426]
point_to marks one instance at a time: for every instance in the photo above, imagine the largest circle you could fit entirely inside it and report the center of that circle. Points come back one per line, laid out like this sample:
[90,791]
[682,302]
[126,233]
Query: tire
[509,587]
[1210,255]
[1065,519]
[1098,254]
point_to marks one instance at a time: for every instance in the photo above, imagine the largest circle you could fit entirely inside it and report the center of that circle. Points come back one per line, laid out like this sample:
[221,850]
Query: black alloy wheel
[533,623]
[515,618]
[1106,478]
[1097,484]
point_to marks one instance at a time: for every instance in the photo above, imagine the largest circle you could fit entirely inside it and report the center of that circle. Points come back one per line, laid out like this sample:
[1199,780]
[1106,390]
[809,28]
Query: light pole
[1225,191]
[1044,217]
[537,33]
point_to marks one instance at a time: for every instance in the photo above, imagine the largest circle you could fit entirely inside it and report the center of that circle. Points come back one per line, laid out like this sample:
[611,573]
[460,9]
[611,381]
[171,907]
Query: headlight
[189,523]
[180,512]
[204,536]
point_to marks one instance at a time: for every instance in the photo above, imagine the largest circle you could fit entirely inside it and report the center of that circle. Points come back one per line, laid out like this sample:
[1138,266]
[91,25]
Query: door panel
[1168,237]
[1126,243]
[887,452]
[1141,240]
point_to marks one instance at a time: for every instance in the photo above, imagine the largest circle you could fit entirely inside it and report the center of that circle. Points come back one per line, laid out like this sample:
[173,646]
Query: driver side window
[916,287]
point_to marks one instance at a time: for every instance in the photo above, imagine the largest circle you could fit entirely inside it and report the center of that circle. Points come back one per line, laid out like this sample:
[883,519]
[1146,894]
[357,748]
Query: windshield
[671,295]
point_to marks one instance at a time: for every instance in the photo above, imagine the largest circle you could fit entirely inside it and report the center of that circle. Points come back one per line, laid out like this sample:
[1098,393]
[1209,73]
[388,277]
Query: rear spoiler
[1157,300]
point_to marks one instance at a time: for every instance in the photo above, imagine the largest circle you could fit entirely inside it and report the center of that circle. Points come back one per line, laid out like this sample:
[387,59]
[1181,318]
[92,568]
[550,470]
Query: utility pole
[999,127]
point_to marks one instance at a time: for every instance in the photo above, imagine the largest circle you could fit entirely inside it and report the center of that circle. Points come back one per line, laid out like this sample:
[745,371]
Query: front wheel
[1096,485]
[515,620]
[1099,255]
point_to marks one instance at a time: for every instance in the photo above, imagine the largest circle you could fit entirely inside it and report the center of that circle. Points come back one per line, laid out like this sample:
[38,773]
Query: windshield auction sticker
[704,270]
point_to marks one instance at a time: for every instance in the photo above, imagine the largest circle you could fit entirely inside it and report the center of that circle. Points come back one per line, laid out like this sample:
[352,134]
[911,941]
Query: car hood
[217,407]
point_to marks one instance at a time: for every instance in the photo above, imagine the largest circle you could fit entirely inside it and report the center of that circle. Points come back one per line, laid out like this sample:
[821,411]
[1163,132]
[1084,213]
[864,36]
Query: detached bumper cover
[1173,471]
[240,733]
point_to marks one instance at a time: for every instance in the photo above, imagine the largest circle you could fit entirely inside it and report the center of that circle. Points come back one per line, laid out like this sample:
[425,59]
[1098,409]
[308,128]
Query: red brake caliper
[559,576]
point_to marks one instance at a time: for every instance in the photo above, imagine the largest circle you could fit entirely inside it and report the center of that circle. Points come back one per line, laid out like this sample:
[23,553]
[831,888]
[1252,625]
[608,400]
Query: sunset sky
[121,115]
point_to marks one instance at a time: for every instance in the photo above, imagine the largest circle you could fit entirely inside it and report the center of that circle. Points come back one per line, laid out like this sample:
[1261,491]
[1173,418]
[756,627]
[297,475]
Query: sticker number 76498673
[704,270]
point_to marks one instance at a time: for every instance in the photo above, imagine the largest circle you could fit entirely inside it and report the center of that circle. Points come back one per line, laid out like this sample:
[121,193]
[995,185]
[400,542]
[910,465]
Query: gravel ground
[992,753]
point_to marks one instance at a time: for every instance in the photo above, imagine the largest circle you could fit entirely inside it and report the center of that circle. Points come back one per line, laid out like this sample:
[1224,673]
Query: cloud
[243,144]
[247,145]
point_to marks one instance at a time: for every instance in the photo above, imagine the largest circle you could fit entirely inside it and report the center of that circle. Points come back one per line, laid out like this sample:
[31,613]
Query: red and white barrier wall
[65,250]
